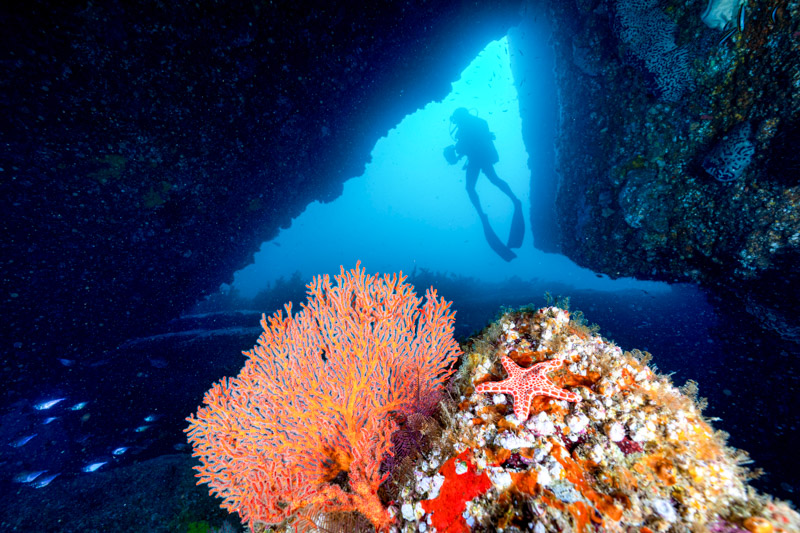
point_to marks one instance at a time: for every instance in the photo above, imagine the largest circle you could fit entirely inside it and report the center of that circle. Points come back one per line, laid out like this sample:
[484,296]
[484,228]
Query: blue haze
[410,208]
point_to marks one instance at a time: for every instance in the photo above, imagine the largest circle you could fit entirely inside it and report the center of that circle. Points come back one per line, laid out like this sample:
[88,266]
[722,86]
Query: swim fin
[517,232]
[494,241]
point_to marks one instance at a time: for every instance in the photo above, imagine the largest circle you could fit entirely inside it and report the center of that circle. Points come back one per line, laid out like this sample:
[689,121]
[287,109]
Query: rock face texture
[150,147]
[677,147]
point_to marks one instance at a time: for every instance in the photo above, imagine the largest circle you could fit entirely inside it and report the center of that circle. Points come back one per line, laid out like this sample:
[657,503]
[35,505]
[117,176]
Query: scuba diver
[475,141]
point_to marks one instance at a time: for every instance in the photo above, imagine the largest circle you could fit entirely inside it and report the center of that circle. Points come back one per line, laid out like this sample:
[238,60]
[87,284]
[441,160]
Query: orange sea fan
[305,425]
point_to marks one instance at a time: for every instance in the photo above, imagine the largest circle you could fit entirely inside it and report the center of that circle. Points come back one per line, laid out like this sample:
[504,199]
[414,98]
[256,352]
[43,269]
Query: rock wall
[149,148]
[531,56]
[674,147]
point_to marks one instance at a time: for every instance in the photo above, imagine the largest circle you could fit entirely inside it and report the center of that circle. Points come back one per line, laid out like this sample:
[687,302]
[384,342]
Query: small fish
[49,419]
[119,451]
[93,466]
[727,36]
[141,429]
[43,482]
[773,13]
[28,477]
[23,441]
[78,406]
[48,404]
[158,363]
[741,17]
[67,362]
[152,418]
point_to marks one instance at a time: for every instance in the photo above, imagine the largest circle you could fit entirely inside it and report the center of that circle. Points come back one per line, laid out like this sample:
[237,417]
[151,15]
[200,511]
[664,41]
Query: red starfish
[525,383]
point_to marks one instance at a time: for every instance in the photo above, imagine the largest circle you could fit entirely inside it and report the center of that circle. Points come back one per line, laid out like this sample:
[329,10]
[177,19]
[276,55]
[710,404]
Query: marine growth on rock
[732,154]
[635,454]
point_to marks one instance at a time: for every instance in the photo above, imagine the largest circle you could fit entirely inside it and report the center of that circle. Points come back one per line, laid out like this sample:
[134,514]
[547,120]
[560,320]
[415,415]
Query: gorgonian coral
[304,427]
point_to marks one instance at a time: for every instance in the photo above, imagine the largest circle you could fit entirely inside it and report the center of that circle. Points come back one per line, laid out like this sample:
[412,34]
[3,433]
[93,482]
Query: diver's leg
[517,232]
[500,184]
[472,179]
[492,240]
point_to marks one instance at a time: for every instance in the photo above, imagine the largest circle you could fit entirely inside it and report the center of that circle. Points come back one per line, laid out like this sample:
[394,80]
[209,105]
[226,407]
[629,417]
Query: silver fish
[93,466]
[43,406]
[152,418]
[119,451]
[28,477]
[22,441]
[43,482]
[78,406]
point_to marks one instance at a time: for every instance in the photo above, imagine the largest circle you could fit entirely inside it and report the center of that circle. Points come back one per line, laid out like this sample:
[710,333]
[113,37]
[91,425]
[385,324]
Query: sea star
[525,383]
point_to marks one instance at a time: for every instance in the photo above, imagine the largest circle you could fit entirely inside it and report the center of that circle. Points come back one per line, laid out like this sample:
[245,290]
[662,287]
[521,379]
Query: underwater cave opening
[410,210]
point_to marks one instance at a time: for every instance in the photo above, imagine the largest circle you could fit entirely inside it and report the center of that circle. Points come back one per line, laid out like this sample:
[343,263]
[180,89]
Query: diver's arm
[460,148]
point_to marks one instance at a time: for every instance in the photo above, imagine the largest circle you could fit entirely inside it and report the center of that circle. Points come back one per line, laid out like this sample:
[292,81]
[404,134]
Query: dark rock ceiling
[150,147]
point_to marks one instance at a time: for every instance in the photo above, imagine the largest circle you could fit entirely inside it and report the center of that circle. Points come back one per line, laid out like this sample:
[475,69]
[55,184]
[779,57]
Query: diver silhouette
[476,142]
